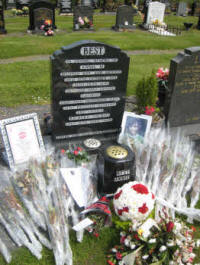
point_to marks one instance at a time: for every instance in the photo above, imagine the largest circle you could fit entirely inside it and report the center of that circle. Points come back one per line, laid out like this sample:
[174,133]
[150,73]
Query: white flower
[145,257]
[170,243]
[126,242]
[114,250]
[198,244]
[171,262]
[132,245]
[162,248]
[177,227]
[192,255]
[153,240]
[122,233]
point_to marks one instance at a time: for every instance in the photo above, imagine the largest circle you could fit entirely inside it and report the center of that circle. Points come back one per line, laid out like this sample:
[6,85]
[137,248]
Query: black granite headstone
[83,18]
[198,24]
[182,9]
[65,6]
[40,11]
[89,82]
[182,106]
[2,22]
[124,18]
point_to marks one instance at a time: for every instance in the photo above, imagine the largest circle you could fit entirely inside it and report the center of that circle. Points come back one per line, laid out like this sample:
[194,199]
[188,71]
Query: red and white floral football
[133,201]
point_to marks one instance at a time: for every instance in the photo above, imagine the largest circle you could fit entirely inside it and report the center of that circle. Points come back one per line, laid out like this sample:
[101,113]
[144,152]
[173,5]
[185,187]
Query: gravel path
[46,57]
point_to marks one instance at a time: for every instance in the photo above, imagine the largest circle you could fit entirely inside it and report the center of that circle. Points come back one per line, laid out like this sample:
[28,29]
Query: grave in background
[21,3]
[182,9]
[65,6]
[124,18]
[87,3]
[2,22]
[89,82]
[182,106]
[11,4]
[83,18]
[156,11]
[40,11]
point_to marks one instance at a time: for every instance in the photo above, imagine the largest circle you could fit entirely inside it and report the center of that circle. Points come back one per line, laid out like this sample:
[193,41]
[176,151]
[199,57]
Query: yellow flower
[140,231]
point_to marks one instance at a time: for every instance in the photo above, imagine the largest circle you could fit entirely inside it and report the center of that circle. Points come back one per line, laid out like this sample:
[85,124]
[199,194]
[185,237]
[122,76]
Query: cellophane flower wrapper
[166,163]
[16,218]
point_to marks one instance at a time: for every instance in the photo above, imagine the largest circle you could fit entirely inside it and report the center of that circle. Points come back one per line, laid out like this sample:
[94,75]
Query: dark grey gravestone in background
[183,106]
[39,11]
[11,4]
[82,11]
[89,82]
[2,22]
[182,9]
[65,6]
[124,18]
[21,3]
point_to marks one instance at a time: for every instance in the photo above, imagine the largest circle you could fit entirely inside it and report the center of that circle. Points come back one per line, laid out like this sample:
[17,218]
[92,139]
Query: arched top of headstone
[188,52]
[34,3]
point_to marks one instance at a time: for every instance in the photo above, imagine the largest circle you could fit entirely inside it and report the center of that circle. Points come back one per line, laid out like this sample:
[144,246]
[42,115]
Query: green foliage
[119,224]
[147,92]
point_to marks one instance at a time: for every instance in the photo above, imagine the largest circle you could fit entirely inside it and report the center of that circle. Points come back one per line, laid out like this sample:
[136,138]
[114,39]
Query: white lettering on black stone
[80,112]
[88,117]
[90,84]
[91,89]
[122,172]
[105,60]
[92,51]
[96,78]
[103,105]
[92,66]
[87,122]
[90,95]
[85,101]
[106,72]
[122,178]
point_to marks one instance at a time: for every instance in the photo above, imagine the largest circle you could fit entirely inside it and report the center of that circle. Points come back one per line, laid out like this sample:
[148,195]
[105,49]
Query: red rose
[76,152]
[79,149]
[143,209]
[153,196]
[117,195]
[120,211]
[169,226]
[110,262]
[118,256]
[96,234]
[122,239]
[125,209]
[62,151]
[193,228]
[140,188]
[136,237]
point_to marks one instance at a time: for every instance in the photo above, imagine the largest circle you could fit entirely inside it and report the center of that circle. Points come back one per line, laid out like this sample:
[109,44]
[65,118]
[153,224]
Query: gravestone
[124,18]
[182,9]
[145,9]
[65,6]
[156,11]
[21,3]
[182,106]
[11,4]
[198,25]
[40,11]
[89,82]
[197,9]
[85,14]
[87,3]
[2,22]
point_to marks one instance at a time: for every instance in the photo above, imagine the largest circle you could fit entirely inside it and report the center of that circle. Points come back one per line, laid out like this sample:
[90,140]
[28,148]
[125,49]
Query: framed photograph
[22,138]
[136,126]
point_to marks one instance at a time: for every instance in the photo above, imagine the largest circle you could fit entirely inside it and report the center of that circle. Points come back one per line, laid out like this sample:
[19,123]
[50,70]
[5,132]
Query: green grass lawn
[18,43]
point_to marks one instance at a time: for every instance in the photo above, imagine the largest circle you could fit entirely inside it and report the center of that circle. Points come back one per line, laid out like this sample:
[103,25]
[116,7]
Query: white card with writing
[82,224]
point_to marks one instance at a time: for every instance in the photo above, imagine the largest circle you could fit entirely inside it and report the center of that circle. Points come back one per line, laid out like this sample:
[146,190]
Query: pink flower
[143,209]
[140,188]
[62,151]
[79,148]
[149,110]
[118,256]
[153,196]
[122,239]
[76,152]
[110,262]
[80,20]
[96,234]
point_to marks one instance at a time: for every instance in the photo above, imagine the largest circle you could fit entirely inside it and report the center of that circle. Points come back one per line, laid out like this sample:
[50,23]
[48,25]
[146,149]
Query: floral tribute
[84,22]
[78,155]
[133,201]
[163,76]
[168,242]
[47,28]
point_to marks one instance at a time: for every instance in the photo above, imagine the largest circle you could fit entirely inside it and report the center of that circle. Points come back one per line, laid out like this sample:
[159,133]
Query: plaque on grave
[2,22]
[124,18]
[89,82]
[83,18]
[40,11]
[182,9]
[156,11]
[65,6]
[182,106]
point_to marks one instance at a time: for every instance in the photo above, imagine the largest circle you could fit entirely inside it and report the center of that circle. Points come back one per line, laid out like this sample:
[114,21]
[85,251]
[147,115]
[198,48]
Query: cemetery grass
[24,83]
[18,43]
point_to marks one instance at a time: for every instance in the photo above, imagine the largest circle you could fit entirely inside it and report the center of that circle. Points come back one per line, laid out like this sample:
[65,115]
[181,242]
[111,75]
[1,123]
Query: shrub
[147,92]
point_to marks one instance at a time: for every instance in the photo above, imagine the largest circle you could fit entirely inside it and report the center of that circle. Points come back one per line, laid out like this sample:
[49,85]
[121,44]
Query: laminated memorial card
[135,127]
[22,138]
[89,82]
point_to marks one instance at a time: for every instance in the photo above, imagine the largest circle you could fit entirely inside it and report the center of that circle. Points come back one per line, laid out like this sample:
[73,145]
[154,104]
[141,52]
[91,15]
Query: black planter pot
[162,90]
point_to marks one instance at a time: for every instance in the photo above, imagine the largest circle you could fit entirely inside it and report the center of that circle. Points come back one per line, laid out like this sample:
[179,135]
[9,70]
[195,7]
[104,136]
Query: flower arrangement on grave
[133,201]
[20,12]
[158,23]
[79,156]
[84,22]
[162,76]
[25,10]
[47,27]
[167,242]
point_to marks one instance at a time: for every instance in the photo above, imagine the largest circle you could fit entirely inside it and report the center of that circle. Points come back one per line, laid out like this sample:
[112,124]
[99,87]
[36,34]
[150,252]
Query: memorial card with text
[89,81]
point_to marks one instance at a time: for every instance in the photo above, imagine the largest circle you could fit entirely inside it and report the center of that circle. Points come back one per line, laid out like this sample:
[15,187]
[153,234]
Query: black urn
[116,166]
